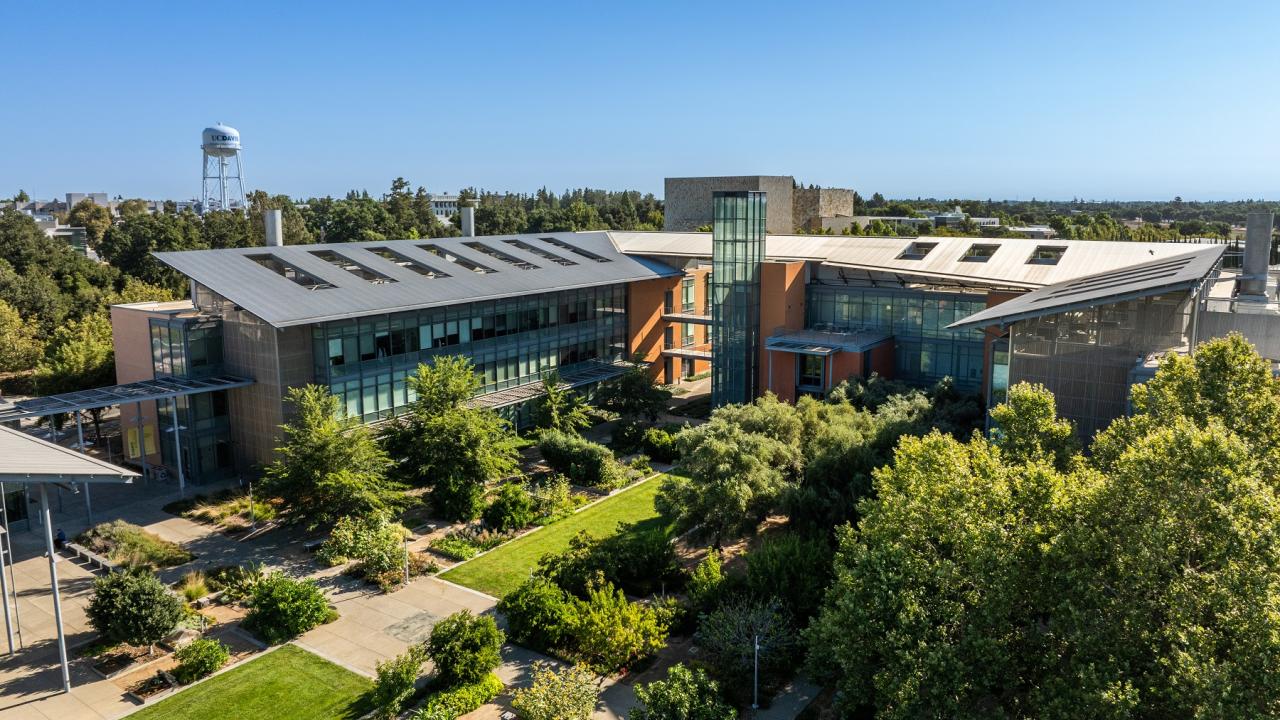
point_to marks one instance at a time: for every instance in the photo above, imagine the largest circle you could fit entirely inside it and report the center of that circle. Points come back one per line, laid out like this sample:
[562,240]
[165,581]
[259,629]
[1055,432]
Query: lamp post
[406,560]
[755,673]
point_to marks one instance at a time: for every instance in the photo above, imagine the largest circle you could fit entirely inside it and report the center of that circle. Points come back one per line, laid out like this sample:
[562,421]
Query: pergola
[28,460]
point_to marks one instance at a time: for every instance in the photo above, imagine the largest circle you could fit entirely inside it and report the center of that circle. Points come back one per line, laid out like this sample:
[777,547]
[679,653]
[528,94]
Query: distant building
[1042,232]
[686,202]
[98,198]
[444,206]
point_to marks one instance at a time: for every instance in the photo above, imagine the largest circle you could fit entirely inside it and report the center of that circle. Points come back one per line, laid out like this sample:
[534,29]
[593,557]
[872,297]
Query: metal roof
[158,389]
[372,283]
[27,459]
[1171,274]
[1010,265]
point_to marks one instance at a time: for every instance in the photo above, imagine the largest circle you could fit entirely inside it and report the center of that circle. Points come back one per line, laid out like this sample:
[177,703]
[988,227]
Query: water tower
[222,187]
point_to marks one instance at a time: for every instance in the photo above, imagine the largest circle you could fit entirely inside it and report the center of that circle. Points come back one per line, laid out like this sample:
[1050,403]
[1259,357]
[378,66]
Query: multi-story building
[444,207]
[781,313]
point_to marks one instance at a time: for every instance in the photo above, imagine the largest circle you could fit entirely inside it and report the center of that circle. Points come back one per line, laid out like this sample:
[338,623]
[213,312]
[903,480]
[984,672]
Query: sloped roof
[1008,266]
[533,264]
[1154,277]
[27,459]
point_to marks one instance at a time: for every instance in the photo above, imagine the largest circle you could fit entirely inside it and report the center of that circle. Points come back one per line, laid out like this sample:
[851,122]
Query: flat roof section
[281,303]
[1182,272]
[818,342]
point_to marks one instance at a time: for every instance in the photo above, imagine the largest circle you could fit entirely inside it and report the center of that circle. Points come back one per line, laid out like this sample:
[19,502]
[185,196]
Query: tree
[129,244]
[448,445]
[612,632]
[569,693]
[395,680]
[465,648]
[685,694]
[134,608]
[131,208]
[1029,429]
[328,468]
[633,395]
[20,344]
[80,356]
[91,216]
[734,635]
[559,408]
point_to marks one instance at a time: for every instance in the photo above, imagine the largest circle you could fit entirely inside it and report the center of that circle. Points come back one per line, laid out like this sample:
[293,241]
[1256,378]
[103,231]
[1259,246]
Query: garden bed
[228,510]
[121,660]
[130,546]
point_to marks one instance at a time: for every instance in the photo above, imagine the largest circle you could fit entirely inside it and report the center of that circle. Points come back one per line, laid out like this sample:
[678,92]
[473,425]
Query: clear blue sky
[1119,99]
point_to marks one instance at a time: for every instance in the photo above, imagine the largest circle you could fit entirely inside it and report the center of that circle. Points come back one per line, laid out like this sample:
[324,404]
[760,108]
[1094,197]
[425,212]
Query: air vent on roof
[289,272]
[407,262]
[574,249]
[917,250]
[353,267]
[1046,255]
[461,262]
[979,252]
[498,254]
[544,254]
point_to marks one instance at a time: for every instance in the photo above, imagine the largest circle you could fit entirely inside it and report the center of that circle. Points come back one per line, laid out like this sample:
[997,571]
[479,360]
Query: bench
[93,558]
[312,545]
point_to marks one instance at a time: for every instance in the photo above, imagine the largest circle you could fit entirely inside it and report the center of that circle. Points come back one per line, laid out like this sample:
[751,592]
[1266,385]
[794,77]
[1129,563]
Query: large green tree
[20,343]
[328,468]
[559,408]
[94,218]
[634,396]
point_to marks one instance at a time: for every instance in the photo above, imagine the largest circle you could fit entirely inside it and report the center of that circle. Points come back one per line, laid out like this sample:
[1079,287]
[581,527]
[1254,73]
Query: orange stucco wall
[781,306]
[843,366]
[645,326]
[882,360]
[131,336]
[780,374]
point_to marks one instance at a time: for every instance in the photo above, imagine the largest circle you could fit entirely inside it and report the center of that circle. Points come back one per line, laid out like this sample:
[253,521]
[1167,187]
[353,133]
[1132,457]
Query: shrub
[378,545]
[552,499]
[610,632]
[706,582]
[641,560]
[465,648]
[129,545]
[468,542]
[235,581]
[660,443]
[584,462]
[627,436]
[793,569]
[686,694]
[394,684]
[460,699]
[511,510]
[539,614]
[133,607]
[198,658]
[193,586]
[281,608]
[419,564]
[567,694]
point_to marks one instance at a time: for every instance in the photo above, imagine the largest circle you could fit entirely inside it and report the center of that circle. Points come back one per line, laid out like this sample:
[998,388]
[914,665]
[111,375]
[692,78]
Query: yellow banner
[131,441]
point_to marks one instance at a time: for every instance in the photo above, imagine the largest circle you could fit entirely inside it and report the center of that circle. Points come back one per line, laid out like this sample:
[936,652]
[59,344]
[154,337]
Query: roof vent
[544,254]
[498,254]
[353,267]
[574,249]
[289,272]
[917,250]
[1046,255]
[461,262]
[406,262]
[979,252]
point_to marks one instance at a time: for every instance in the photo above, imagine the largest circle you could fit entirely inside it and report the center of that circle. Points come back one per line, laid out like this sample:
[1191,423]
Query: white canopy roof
[27,459]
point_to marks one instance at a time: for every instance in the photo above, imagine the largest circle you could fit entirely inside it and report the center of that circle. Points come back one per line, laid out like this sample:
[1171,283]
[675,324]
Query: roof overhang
[142,391]
[27,459]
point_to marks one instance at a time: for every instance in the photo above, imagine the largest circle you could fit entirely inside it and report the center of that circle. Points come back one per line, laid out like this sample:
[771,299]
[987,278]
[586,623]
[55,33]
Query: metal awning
[818,342]
[585,374]
[28,459]
[159,389]
[687,318]
[688,353]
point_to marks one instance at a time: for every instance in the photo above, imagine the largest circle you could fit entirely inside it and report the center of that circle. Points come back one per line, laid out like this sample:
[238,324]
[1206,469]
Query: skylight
[407,262]
[1046,255]
[980,252]
[461,262]
[289,272]
[544,254]
[353,267]
[917,250]
[498,254]
[574,249]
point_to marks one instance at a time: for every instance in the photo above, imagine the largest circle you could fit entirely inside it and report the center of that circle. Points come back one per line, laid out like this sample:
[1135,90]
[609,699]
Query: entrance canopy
[817,342]
[27,459]
[159,389]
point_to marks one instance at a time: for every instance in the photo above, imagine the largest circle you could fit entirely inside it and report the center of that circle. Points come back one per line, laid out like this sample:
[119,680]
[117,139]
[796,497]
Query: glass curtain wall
[366,361]
[926,350]
[737,249]
[1086,356]
[192,348]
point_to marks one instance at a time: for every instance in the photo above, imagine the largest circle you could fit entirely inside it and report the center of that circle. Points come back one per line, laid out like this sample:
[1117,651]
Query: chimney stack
[468,211]
[1257,257]
[274,221]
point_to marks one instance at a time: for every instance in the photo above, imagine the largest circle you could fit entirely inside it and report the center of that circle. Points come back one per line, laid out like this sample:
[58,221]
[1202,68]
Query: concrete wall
[687,201]
[819,208]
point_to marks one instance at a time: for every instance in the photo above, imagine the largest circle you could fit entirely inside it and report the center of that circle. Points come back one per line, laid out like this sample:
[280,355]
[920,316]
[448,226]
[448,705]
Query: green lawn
[288,684]
[502,569]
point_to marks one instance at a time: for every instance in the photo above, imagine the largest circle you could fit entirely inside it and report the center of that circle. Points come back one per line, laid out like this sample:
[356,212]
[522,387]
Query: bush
[610,632]
[465,648]
[567,694]
[706,583]
[235,581]
[199,658]
[686,694]
[281,608]
[641,560]
[660,443]
[376,544]
[627,436]
[793,569]
[552,499]
[133,607]
[539,615]
[419,564]
[460,699]
[511,510]
[468,542]
[394,684]
[584,462]
[193,586]
[130,546]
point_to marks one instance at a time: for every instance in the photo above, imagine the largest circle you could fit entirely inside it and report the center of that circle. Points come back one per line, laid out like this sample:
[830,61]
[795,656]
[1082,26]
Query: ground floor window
[810,369]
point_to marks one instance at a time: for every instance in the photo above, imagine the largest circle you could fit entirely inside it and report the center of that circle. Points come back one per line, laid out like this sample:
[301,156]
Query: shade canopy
[27,459]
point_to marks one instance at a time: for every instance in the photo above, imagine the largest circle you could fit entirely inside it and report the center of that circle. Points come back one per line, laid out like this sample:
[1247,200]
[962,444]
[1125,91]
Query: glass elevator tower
[737,249]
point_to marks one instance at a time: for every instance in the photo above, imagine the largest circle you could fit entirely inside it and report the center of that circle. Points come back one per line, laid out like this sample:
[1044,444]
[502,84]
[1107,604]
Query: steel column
[53,580]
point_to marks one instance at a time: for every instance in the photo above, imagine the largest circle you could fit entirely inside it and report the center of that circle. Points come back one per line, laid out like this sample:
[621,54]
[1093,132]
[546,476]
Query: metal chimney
[1257,257]
[468,211]
[274,221]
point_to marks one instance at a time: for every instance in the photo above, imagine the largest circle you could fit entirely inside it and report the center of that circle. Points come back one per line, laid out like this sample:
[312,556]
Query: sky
[1097,100]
